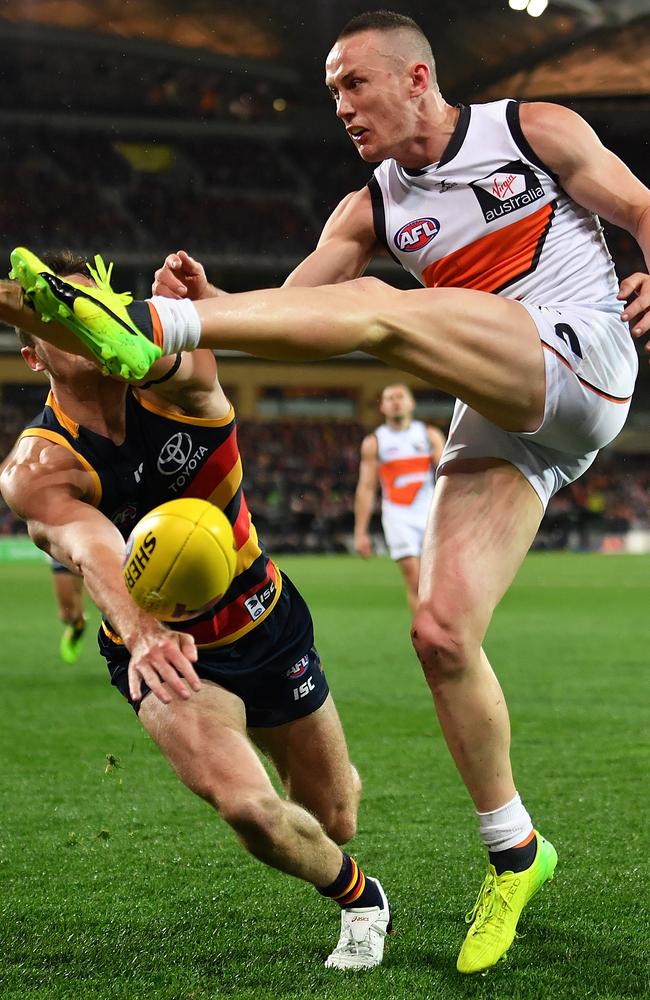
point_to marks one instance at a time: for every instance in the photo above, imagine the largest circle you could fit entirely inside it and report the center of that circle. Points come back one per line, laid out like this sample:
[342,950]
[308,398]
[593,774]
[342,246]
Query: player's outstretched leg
[127,336]
[498,907]
[116,330]
[280,833]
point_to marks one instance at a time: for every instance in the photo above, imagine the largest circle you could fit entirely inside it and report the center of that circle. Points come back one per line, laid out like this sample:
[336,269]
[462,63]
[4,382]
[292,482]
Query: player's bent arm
[599,181]
[192,387]
[364,497]
[78,535]
[346,245]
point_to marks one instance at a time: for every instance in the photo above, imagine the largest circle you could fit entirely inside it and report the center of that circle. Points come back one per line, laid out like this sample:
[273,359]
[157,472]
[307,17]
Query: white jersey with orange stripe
[491,216]
[405,468]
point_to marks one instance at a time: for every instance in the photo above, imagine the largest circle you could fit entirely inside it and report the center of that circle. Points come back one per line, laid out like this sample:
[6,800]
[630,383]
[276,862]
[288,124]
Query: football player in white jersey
[533,344]
[401,455]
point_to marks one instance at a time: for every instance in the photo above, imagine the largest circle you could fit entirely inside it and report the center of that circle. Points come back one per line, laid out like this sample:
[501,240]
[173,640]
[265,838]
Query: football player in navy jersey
[80,475]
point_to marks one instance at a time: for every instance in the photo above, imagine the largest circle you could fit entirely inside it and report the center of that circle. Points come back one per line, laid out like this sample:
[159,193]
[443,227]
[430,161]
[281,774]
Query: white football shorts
[591,365]
[404,530]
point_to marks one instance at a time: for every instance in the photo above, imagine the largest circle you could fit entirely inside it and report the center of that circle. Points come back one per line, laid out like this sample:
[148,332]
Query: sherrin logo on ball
[180,559]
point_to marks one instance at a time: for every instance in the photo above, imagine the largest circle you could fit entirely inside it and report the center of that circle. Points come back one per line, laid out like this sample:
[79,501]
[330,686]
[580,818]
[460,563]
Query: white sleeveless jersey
[490,216]
[405,467]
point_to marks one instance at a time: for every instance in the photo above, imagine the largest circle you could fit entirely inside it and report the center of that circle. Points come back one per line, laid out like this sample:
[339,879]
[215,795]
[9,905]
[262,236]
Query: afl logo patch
[299,668]
[415,235]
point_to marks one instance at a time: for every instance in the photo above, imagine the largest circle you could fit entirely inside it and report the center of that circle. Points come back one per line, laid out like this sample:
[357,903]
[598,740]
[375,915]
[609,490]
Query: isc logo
[303,689]
[415,235]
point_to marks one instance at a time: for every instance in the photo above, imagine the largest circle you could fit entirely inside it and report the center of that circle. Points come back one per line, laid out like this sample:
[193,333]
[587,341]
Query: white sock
[505,827]
[181,326]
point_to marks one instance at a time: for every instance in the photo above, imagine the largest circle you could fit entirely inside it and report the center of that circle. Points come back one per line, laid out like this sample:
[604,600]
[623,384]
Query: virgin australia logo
[174,454]
[512,187]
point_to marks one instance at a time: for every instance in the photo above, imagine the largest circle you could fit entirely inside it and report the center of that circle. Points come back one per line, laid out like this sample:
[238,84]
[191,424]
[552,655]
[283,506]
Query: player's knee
[251,813]
[340,823]
[366,295]
[338,815]
[357,783]
[443,647]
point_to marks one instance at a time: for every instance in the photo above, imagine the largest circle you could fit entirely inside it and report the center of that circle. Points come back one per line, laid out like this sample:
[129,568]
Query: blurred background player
[402,455]
[69,590]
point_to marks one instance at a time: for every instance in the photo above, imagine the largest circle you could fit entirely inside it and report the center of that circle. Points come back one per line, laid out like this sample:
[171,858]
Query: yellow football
[180,559]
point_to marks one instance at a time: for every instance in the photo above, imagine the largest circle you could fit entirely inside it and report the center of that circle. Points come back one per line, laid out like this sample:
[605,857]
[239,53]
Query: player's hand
[11,299]
[182,277]
[363,545]
[164,661]
[635,291]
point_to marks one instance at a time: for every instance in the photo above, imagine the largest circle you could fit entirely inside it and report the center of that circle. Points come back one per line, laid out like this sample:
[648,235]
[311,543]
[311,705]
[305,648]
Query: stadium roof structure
[609,62]
[477,43]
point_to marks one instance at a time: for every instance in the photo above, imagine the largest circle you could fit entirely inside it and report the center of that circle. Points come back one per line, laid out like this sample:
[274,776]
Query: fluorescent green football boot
[98,316]
[71,640]
[498,908]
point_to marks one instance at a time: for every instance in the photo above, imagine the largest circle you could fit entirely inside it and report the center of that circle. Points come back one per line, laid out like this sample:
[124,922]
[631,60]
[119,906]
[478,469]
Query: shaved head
[405,40]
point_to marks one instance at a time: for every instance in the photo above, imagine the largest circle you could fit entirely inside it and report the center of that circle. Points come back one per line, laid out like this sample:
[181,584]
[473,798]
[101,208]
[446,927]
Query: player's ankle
[174,323]
[517,858]
[508,834]
[351,887]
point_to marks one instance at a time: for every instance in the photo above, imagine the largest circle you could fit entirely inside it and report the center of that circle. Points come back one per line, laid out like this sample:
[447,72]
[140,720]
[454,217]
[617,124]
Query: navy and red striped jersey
[165,456]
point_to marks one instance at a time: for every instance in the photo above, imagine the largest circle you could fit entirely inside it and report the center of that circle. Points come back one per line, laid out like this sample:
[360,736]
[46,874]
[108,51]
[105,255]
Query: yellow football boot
[102,319]
[498,908]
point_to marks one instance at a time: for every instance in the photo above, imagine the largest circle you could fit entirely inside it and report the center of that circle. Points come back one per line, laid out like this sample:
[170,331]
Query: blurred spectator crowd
[300,479]
[219,196]
[127,82]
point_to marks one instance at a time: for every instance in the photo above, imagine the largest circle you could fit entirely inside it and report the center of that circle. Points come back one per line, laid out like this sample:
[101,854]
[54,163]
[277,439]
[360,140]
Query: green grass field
[115,882]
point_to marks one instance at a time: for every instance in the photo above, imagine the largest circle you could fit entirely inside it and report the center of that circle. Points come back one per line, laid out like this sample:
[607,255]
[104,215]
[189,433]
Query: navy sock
[141,315]
[515,859]
[351,887]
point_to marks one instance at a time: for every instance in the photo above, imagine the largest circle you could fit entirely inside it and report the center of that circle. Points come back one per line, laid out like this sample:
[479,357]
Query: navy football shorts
[275,668]
[58,567]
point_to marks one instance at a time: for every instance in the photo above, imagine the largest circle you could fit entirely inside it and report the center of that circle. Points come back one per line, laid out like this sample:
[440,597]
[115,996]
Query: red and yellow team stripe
[220,482]
[220,476]
[234,620]
[354,888]
[230,622]
[496,260]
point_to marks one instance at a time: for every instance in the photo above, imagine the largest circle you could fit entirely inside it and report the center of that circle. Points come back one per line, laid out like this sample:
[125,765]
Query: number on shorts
[569,336]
